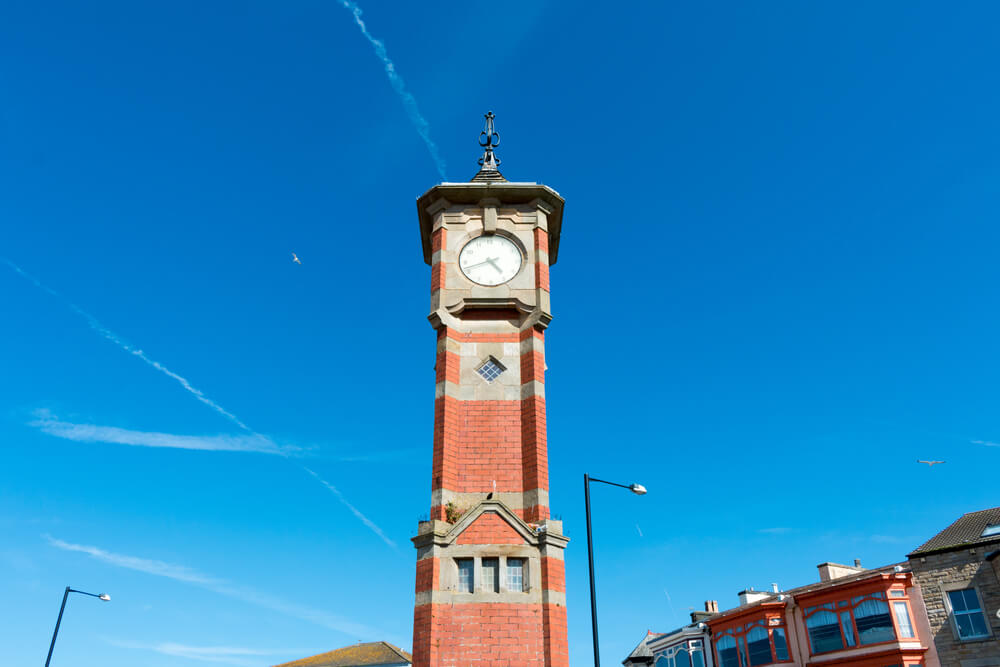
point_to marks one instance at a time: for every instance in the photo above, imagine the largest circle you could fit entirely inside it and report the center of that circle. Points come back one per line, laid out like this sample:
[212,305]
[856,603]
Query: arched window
[758,647]
[681,657]
[873,621]
[725,648]
[824,631]
[662,661]
[861,620]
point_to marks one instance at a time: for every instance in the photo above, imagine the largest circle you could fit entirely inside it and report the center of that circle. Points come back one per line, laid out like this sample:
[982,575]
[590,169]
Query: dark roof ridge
[966,530]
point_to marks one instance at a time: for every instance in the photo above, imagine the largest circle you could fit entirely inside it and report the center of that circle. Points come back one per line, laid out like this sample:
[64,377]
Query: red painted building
[852,616]
[490,585]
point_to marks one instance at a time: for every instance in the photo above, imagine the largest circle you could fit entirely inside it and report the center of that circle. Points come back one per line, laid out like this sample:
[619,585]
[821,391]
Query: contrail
[188,575]
[117,340]
[340,496]
[409,102]
[261,442]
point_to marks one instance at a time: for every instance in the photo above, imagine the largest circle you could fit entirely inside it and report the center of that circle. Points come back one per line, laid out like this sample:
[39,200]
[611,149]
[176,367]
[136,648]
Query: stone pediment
[442,533]
[509,525]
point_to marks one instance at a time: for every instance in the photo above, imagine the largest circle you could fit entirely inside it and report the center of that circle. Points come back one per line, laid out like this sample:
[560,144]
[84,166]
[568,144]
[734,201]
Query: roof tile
[967,530]
[357,655]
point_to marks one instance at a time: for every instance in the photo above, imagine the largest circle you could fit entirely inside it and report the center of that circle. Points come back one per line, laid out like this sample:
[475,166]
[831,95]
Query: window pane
[491,575]
[964,626]
[697,659]
[515,574]
[758,647]
[903,619]
[743,648]
[824,632]
[847,626]
[873,622]
[726,650]
[681,658]
[971,601]
[780,644]
[464,574]
[979,624]
[661,661]
[957,600]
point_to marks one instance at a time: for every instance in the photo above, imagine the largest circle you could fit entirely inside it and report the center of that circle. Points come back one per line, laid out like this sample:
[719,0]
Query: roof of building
[641,653]
[967,530]
[808,588]
[357,655]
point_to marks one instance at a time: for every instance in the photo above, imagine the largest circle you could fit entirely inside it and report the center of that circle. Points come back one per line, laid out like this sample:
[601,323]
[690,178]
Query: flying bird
[929,463]
[295,258]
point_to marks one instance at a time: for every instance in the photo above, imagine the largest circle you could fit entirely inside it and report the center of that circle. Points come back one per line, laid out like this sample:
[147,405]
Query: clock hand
[490,260]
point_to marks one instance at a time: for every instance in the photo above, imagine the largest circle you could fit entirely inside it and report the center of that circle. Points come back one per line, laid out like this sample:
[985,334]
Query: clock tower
[490,583]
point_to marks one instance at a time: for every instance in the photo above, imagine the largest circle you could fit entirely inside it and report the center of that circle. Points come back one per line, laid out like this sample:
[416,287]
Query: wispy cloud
[232,655]
[409,102]
[158,568]
[987,443]
[340,496]
[96,325]
[777,530]
[222,587]
[253,442]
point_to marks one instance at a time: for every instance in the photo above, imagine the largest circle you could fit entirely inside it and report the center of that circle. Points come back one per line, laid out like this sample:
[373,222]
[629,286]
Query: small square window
[491,575]
[465,574]
[515,574]
[490,369]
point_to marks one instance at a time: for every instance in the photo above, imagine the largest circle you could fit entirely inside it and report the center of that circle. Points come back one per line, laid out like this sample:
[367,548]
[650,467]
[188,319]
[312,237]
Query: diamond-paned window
[491,369]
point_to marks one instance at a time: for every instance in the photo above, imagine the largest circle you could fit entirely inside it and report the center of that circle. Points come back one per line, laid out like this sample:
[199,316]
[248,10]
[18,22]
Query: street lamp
[100,596]
[637,489]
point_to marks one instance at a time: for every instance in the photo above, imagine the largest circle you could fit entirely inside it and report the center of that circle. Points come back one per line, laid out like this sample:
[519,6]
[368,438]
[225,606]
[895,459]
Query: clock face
[490,260]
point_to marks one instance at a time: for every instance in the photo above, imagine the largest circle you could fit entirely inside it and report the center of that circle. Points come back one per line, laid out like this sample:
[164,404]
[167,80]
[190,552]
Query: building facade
[958,571]
[851,616]
[688,646]
[490,583]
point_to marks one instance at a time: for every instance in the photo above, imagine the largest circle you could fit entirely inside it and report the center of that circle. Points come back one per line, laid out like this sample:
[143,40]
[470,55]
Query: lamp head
[105,597]
[638,489]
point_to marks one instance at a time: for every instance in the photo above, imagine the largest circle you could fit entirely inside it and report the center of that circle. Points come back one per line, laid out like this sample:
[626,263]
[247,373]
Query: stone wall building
[958,571]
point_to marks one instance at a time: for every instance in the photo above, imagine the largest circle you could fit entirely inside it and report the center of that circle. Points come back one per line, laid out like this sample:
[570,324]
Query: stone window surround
[945,588]
[477,574]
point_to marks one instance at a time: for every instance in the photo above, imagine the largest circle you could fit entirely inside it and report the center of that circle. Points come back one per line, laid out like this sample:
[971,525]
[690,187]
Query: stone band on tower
[490,583]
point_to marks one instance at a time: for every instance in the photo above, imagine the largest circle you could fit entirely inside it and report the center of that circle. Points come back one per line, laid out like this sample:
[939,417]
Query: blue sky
[776,290]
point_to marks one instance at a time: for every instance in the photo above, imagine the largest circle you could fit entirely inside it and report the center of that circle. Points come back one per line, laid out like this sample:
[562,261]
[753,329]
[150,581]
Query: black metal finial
[489,139]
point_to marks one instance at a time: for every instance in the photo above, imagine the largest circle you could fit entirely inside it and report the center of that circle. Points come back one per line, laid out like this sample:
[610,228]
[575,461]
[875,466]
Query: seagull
[295,258]
[929,463]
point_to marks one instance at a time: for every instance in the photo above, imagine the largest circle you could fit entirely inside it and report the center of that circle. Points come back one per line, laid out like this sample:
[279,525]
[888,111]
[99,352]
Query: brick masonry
[489,476]
[938,573]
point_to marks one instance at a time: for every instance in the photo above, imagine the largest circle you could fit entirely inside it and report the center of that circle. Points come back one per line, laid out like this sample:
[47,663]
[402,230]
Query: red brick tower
[490,578]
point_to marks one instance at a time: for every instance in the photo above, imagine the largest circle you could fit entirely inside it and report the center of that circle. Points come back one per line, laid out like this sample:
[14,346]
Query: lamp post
[637,489]
[100,596]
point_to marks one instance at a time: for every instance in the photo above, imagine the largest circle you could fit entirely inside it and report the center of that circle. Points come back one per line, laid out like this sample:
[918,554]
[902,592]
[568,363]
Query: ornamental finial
[489,162]
[489,139]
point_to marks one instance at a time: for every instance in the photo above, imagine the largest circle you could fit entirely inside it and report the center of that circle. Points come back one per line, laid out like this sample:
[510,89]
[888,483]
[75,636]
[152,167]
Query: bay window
[757,643]
[858,621]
